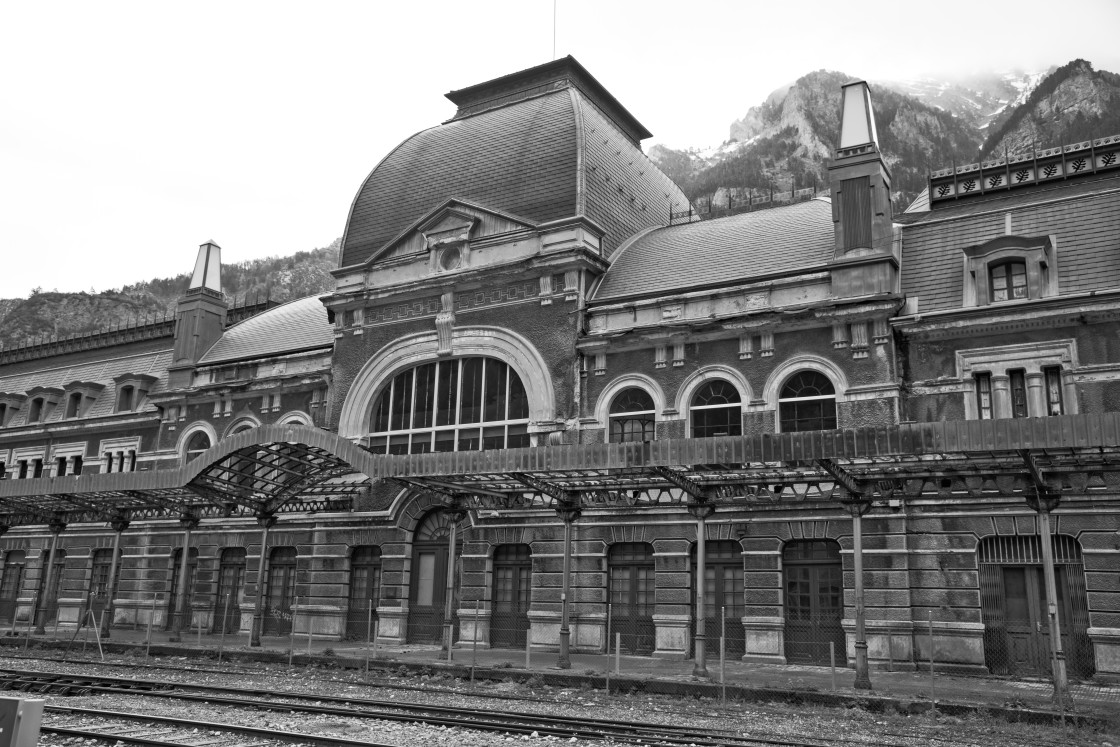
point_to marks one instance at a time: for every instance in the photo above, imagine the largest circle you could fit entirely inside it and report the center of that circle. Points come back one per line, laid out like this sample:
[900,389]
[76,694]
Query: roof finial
[208,268]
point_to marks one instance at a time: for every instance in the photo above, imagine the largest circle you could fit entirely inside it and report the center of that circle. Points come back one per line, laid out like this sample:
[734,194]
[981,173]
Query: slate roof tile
[296,325]
[1085,230]
[782,240]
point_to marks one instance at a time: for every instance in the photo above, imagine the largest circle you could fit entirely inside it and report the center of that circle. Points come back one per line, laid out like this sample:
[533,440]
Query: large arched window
[452,405]
[716,410]
[631,416]
[807,402]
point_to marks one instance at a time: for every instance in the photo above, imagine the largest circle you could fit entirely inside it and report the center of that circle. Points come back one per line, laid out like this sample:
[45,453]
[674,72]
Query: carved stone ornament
[445,322]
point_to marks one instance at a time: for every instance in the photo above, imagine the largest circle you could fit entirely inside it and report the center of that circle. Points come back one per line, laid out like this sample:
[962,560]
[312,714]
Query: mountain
[975,99]
[1073,104]
[50,314]
[785,142]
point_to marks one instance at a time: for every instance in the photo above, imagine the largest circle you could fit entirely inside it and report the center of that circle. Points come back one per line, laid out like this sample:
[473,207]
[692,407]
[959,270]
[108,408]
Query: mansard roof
[289,328]
[1082,216]
[738,248]
[543,151]
[100,372]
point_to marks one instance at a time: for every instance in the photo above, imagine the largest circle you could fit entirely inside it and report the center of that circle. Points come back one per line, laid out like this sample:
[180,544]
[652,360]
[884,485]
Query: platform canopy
[290,468]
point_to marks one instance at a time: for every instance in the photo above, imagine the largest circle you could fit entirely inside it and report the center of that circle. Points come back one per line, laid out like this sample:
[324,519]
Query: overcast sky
[132,132]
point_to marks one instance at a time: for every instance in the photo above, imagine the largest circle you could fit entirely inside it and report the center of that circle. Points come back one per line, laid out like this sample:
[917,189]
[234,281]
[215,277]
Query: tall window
[807,402]
[716,410]
[35,412]
[984,395]
[1053,379]
[457,405]
[631,416]
[1008,280]
[1018,383]
[3,414]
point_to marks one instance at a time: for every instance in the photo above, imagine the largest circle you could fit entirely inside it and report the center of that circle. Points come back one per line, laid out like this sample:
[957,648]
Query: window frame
[1007,276]
[735,406]
[780,419]
[630,416]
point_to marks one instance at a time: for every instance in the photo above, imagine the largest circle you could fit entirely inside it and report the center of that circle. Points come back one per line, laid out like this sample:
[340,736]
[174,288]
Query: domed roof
[289,328]
[543,144]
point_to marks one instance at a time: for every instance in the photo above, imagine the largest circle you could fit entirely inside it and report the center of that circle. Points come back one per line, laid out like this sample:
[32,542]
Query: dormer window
[125,398]
[35,411]
[74,405]
[131,391]
[1007,280]
[1010,268]
[3,414]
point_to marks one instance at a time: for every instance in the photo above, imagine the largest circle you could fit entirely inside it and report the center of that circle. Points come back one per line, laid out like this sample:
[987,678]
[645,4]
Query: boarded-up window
[855,206]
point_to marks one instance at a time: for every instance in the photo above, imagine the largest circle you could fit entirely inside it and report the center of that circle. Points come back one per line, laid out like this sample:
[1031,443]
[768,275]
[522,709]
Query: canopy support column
[859,507]
[266,522]
[46,583]
[454,515]
[119,526]
[701,511]
[568,514]
[182,597]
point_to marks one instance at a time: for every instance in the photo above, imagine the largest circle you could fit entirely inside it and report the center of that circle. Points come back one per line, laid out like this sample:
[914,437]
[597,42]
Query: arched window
[807,402]
[716,410]
[1007,280]
[457,405]
[631,416]
[197,443]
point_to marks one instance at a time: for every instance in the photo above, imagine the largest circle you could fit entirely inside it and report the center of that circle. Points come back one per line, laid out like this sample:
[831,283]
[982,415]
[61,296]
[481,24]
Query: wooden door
[427,592]
[513,574]
[814,597]
[227,602]
[364,592]
[281,591]
[99,580]
[632,582]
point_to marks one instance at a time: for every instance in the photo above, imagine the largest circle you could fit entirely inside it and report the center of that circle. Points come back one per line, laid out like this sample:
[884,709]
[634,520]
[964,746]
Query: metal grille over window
[716,410]
[632,416]
[632,576]
[807,402]
[1008,280]
[984,395]
[456,405]
[814,595]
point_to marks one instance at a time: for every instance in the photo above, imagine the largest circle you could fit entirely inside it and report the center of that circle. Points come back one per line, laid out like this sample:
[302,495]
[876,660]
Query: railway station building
[545,404]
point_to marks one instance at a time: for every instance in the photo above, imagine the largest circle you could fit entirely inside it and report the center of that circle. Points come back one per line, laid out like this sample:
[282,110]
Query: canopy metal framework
[292,469]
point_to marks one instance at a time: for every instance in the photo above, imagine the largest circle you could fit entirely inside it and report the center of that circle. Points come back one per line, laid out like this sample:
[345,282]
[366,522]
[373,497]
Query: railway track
[137,729]
[506,722]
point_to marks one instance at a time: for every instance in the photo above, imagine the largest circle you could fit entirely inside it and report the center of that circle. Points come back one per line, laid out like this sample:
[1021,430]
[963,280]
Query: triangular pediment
[453,222]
